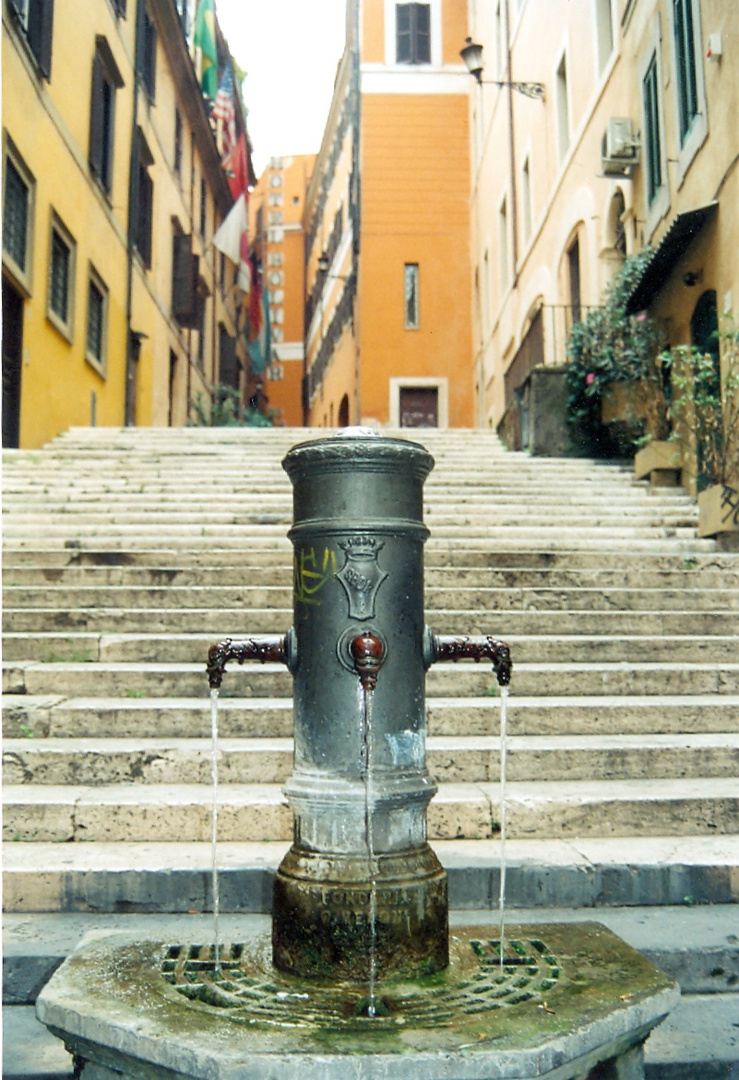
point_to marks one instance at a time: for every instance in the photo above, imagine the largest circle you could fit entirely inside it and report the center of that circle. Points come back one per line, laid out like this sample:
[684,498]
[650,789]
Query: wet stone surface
[572,995]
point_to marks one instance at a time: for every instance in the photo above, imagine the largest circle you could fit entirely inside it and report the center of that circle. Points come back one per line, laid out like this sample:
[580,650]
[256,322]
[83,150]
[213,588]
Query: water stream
[214,821]
[503,754]
[369,802]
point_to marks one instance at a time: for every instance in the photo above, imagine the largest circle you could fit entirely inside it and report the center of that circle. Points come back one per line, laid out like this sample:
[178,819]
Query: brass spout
[477,649]
[272,649]
[368,654]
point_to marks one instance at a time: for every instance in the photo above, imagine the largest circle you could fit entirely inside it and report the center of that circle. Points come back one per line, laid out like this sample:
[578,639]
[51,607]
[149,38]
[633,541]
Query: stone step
[501,599]
[41,716]
[655,541]
[157,494]
[450,759]
[529,535]
[691,944]
[47,647]
[269,680]
[254,576]
[256,512]
[582,872]
[237,622]
[435,556]
[129,812]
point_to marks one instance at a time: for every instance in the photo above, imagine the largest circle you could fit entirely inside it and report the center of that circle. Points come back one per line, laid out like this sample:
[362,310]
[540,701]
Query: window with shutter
[149,55]
[60,299]
[106,79]
[143,200]
[413,33]
[228,369]
[97,322]
[36,21]
[185,273]
[16,204]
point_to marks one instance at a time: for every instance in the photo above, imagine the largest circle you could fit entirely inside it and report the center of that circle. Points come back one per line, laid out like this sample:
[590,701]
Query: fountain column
[358,539]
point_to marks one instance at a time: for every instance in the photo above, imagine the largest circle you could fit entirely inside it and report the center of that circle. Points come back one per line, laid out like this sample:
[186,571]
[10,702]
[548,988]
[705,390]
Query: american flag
[224,113]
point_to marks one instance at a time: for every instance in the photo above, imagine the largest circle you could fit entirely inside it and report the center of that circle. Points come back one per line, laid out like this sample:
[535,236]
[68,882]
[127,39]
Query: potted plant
[705,420]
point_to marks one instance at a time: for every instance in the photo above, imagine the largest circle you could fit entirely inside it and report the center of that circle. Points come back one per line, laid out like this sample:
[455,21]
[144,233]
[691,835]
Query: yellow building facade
[627,144]
[388,338]
[115,307]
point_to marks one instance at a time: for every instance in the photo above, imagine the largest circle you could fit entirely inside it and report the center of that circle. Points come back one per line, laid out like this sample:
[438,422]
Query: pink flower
[589,379]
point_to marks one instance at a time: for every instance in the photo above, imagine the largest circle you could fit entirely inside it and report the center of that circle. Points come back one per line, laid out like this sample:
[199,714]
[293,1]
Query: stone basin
[567,998]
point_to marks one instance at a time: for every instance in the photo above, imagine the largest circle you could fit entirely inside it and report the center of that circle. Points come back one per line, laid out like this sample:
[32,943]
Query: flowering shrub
[607,347]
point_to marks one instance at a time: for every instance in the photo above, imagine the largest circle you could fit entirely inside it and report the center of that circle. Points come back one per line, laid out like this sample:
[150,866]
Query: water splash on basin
[370,1007]
[214,824]
[503,823]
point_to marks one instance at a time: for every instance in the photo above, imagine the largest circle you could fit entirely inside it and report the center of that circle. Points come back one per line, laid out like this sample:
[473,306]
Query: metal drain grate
[248,993]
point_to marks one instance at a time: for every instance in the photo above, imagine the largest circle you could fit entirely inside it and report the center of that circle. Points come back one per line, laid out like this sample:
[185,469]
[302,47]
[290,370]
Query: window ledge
[62,328]
[96,365]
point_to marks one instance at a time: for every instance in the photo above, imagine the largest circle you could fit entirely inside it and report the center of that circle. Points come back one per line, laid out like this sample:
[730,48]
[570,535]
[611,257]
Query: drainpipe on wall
[511,148]
[133,340]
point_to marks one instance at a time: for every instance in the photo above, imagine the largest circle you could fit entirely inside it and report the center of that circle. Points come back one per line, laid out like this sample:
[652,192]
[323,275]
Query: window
[653,144]
[185,271]
[573,274]
[690,91]
[503,244]
[687,85]
[499,41]
[563,109]
[148,61]
[526,198]
[203,207]
[411,296]
[603,31]
[59,305]
[97,322]
[106,79]
[18,194]
[178,144]
[144,205]
[36,20]
[413,33]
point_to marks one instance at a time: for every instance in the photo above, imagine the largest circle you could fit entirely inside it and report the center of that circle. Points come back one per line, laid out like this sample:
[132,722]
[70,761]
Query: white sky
[289,49]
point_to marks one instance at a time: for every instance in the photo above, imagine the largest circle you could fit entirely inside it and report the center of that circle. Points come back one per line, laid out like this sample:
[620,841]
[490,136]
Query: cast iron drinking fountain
[361,977]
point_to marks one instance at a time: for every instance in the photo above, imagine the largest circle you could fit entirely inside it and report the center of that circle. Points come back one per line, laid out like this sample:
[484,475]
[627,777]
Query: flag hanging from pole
[224,113]
[232,238]
[259,329]
[236,167]
[204,40]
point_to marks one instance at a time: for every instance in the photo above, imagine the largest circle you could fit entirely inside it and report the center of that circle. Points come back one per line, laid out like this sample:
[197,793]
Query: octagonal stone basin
[567,997]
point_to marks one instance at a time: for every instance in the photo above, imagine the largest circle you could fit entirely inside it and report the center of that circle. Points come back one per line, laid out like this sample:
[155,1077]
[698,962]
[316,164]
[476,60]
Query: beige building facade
[630,143]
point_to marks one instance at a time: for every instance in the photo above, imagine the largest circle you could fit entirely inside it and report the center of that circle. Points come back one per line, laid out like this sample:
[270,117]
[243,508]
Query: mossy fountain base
[569,1002]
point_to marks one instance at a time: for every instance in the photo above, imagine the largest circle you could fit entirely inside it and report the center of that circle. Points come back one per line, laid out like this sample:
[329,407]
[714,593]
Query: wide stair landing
[128,552]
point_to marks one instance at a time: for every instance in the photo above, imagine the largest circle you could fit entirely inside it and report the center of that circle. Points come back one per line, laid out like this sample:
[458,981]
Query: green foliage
[608,347]
[224,409]
[705,407]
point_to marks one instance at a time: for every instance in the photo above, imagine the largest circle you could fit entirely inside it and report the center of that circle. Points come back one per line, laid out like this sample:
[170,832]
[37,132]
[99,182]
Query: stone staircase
[128,552]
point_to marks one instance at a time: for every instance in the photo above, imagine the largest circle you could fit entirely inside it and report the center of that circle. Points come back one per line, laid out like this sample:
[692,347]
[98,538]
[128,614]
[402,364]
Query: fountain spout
[268,649]
[471,648]
[368,654]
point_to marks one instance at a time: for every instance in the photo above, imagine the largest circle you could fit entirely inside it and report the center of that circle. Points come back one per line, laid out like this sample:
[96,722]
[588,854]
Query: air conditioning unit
[620,150]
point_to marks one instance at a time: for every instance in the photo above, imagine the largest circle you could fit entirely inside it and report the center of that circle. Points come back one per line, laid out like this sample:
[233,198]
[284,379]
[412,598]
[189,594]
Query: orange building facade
[276,207]
[388,281]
